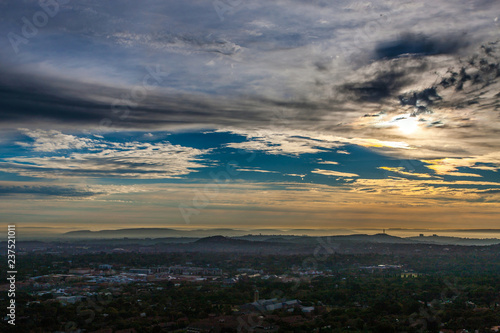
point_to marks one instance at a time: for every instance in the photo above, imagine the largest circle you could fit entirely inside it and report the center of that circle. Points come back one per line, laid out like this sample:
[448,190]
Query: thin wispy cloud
[104,159]
[334,173]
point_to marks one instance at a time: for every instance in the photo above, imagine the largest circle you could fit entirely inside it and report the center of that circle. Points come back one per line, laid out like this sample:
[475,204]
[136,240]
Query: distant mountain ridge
[232,236]
[170,232]
[157,233]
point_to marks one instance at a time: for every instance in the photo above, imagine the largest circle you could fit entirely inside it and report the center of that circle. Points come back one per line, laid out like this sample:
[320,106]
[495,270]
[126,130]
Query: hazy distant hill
[168,232]
[445,240]
[140,240]
[151,233]
[378,238]
[274,236]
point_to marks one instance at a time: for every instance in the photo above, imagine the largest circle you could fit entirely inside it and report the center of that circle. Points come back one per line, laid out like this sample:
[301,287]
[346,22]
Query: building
[140,271]
[409,274]
[203,271]
[105,267]
[308,309]
[80,271]
[269,305]
[70,299]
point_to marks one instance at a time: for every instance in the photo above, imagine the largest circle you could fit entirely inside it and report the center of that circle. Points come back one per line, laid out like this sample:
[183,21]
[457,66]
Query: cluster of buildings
[269,305]
[257,317]
[79,283]
[187,270]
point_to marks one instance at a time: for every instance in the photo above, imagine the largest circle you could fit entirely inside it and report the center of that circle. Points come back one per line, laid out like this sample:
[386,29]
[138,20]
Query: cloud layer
[344,109]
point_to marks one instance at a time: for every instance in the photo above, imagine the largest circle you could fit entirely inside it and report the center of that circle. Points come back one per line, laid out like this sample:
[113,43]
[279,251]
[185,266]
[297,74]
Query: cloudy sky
[250,113]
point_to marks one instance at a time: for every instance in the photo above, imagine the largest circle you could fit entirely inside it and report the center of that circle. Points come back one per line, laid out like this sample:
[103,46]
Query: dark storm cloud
[238,72]
[44,190]
[26,100]
[376,89]
[469,79]
[428,96]
[37,98]
[389,78]
[421,100]
[480,69]
[420,45]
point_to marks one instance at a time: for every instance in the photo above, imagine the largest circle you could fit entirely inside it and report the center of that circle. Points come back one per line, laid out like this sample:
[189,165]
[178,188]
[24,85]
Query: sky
[250,114]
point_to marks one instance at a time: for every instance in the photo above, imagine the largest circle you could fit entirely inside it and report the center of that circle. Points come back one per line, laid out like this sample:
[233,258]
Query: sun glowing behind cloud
[407,125]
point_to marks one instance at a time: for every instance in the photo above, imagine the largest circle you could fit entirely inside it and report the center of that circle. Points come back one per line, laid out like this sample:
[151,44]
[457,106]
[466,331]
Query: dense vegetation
[451,292]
